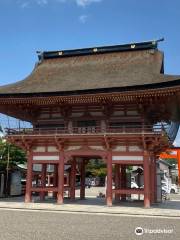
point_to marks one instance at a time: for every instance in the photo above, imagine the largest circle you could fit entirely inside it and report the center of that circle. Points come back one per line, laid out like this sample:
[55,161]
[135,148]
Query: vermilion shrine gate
[105,103]
[172,153]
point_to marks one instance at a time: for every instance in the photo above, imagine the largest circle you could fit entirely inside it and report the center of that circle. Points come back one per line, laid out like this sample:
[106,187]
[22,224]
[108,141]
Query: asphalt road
[32,225]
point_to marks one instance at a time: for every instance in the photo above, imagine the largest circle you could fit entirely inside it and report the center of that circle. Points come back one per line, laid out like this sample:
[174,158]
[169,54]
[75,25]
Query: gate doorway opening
[87,180]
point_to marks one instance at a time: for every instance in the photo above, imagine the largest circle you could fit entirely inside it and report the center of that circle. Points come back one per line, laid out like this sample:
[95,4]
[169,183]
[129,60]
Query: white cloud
[84,3]
[62,1]
[42,2]
[81,3]
[27,3]
[83,18]
[24,4]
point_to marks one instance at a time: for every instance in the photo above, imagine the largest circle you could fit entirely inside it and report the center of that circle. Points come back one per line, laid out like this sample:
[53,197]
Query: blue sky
[30,25]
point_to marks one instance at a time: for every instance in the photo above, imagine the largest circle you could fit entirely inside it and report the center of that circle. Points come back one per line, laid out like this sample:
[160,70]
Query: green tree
[171,160]
[10,155]
[96,168]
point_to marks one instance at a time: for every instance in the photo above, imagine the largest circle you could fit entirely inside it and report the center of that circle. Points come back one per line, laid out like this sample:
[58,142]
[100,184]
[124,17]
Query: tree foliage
[171,160]
[12,153]
[96,168]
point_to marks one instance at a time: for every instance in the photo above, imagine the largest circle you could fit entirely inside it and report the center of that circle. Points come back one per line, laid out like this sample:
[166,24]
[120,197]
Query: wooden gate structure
[104,102]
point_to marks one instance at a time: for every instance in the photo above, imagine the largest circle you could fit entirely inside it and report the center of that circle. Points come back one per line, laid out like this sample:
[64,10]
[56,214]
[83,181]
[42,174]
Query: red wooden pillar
[73,180]
[60,193]
[28,196]
[123,181]
[82,189]
[109,180]
[117,181]
[43,181]
[55,178]
[146,180]
[151,180]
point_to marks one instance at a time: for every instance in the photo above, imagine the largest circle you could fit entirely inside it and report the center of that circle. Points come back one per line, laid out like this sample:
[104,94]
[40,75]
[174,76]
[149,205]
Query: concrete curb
[99,211]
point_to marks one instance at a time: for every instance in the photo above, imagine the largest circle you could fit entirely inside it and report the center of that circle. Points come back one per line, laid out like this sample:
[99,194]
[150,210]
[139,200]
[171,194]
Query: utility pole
[7,168]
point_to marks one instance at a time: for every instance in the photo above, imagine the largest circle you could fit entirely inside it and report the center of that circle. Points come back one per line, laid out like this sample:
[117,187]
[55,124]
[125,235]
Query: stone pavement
[96,205]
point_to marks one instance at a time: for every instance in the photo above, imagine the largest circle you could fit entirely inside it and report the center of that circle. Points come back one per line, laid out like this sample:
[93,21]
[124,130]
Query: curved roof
[126,68]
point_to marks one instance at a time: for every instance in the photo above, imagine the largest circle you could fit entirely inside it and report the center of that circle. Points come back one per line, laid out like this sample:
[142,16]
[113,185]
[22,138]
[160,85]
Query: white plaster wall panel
[45,158]
[134,149]
[97,147]
[52,149]
[55,115]
[74,114]
[44,115]
[118,113]
[73,148]
[94,114]
[132,113]
[39,149]
[127,158]
[120,148]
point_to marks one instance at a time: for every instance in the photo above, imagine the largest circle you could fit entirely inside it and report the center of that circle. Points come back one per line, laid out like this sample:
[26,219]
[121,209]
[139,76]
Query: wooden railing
[136,129]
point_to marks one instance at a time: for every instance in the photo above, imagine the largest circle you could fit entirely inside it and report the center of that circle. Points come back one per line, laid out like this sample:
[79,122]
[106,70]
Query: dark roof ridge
[153,44]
